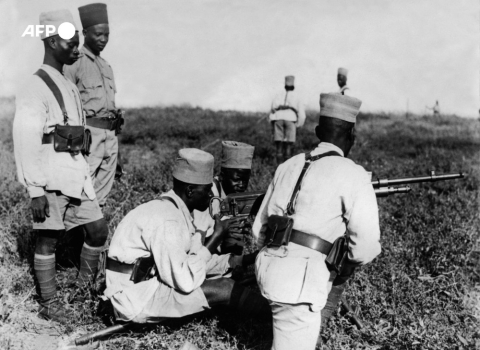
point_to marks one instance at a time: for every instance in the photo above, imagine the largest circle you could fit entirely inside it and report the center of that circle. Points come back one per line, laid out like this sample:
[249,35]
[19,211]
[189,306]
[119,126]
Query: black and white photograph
[239,175]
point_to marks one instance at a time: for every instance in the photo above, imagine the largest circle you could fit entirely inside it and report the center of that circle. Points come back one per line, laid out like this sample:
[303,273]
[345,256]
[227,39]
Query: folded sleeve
[30,119]
[363,226]
[177,268]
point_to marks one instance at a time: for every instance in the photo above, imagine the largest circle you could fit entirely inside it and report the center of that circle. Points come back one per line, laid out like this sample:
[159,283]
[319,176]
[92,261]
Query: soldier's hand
[40,209]
[221,226]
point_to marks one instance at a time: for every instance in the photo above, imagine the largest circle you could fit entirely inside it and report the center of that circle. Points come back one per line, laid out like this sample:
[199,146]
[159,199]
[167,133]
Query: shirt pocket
[92,89]
[110,83]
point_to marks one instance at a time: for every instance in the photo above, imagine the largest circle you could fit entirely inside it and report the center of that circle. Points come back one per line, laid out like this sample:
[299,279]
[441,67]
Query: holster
[279,230]
[119,121]
[338,255]
[67,138]
[143,269]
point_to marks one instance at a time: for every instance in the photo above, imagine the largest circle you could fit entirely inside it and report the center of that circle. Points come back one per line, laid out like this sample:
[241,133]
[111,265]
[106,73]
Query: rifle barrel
[103,333]
[386,191]
[379,183]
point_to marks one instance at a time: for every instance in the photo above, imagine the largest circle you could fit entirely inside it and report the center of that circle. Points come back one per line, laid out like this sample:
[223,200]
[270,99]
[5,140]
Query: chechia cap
[93,14]
[55,18]
[193,166]
[343,71]
[289,80]
[339,106]
[237,155]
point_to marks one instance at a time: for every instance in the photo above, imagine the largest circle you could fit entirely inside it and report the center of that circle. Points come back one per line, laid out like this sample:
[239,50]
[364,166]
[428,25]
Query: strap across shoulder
[55,90]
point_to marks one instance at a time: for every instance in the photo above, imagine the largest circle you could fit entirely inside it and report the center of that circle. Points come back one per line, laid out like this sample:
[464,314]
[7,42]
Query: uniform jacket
[39,167]
[288,98]
[336,195]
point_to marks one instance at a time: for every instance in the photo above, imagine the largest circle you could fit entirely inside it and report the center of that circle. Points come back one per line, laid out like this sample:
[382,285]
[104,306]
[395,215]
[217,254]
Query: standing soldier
[332,198]
[235,171]
[287,113]
[94,78]
[435,109]
[342,80]
[56,177]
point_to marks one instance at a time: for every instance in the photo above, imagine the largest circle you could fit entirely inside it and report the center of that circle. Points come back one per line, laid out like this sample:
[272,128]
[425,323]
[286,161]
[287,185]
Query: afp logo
[66,30]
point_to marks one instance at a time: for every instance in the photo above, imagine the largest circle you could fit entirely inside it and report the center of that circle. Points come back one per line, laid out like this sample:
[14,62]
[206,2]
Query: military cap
[236,155]
[93,14]
[339,106]
[55,18]
[343,71]
[289,80]
[193,166]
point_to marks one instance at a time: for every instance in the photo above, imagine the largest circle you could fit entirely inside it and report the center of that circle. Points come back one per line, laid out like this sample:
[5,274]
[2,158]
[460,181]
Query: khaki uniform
[61,176]
[94,78]
[158,228]
[286,120]
[336,196]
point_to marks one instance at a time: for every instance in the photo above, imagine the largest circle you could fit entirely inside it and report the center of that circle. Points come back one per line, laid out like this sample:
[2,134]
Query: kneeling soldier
[51,167]
[163,229]
[236,165]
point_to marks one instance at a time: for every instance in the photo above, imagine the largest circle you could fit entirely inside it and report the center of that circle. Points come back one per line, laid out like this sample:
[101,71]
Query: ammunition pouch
[67,138]
[141,270]
[279,230]
[338,255]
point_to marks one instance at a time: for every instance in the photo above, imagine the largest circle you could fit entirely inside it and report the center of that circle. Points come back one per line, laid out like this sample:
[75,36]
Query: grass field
[422,292]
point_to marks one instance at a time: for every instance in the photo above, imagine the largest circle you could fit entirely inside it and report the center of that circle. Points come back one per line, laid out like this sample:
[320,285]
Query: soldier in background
[342,81]
[94,78]
[335,197]
[58,183]
[235,171]
[286,115]
[435,109]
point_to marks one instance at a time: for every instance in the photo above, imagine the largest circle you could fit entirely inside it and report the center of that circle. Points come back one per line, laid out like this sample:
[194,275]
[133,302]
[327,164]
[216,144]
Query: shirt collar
[88,53]
[52,71]
[324,147]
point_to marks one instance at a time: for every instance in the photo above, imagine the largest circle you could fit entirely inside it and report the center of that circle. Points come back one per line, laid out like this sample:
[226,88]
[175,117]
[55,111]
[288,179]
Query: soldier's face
[66,51]
[235,180]
[96,37]
[200,196]
[341,80]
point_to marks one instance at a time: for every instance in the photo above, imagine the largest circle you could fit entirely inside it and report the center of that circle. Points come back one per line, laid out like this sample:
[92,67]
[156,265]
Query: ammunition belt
[103,123]
[310,241]
[117,266]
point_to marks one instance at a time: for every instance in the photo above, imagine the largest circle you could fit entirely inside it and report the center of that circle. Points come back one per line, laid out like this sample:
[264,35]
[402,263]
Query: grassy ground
[423,292]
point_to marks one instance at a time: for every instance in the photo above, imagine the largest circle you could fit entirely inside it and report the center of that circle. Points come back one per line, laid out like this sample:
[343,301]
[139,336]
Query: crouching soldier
[163,229]
[235,171]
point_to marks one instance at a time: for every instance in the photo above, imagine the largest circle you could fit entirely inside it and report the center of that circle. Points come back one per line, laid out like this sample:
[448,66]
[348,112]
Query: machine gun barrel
[386,191]
[380,183]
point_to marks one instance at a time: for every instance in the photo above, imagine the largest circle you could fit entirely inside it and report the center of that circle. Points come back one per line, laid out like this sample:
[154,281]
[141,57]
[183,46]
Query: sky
[234,54]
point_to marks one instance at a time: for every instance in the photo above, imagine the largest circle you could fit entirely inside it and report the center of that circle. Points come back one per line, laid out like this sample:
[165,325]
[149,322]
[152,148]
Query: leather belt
[102,123]
[47,138]
[311,241]
[117,266]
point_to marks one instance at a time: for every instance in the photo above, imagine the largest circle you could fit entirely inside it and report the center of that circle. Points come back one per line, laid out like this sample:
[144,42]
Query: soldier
[235,171]
[435,109]
[335,197]
[58,182]
[342,81]
[164,229]
[94,78]
[287,114]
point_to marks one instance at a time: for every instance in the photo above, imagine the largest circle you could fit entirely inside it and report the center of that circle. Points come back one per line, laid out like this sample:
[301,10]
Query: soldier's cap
[236,155]
[342,71]
[338,106]
[55,18]
[289,80]
[93,14]
[193,166]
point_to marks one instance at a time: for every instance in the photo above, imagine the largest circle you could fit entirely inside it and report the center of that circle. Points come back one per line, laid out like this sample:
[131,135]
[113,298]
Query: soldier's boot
[53,310]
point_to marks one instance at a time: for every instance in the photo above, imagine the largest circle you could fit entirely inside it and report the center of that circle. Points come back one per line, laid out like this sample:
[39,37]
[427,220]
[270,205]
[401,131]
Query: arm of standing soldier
[30,119]
[363,227]
[176,268]
[260,223]
[300,114]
